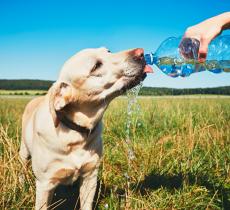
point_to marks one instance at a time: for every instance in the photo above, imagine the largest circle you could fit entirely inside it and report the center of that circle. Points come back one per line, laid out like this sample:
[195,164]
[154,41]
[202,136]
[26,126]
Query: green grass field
[22,92]
[182,149]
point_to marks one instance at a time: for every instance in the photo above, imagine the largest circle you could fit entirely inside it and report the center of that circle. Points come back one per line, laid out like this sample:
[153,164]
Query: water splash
[132,111]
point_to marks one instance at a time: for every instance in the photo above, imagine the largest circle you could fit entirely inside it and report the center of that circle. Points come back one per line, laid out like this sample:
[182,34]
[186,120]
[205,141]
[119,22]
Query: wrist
[224,20]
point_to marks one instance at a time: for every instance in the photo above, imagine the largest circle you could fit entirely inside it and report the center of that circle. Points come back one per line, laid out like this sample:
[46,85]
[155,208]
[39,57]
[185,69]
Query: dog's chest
[70,156]
[77,163]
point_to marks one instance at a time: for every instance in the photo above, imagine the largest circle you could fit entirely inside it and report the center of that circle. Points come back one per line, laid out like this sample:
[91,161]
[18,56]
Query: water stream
[133,110]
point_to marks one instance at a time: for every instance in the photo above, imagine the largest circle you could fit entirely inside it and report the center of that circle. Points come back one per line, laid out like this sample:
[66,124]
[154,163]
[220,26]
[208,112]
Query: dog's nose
[138,53]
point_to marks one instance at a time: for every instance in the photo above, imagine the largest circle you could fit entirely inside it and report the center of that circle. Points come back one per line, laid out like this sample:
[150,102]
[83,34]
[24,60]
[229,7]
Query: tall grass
[182,149]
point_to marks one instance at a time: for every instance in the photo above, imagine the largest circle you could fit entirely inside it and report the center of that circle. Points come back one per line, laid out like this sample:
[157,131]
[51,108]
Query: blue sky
[36,37]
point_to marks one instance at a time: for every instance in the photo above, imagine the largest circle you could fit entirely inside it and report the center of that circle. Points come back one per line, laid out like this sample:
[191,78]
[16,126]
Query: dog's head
[93,77]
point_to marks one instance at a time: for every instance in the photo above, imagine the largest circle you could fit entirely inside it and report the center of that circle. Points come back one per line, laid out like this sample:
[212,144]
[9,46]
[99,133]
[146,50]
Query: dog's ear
[60,96]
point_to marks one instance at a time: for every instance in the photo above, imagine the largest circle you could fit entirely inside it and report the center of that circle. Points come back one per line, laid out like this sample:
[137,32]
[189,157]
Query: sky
[37,37]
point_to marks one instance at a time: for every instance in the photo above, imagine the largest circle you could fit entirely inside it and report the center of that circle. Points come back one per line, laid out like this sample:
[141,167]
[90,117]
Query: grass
[22,92]
[182,149]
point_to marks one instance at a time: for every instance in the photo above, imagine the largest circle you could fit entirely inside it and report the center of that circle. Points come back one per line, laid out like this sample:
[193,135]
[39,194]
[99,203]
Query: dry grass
[182,149]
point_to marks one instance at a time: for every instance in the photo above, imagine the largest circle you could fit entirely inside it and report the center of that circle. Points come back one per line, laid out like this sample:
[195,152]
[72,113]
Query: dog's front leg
[44,194]
[87,190]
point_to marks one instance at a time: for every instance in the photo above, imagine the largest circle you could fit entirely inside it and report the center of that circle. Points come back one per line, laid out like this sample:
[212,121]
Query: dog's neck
[84,118]
[74,126]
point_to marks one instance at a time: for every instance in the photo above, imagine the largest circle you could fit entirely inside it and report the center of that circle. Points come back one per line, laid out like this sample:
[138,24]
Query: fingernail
[202,57]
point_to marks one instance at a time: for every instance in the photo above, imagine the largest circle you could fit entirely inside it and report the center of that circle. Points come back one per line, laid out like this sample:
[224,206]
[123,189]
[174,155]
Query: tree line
[26,84]
[153,91]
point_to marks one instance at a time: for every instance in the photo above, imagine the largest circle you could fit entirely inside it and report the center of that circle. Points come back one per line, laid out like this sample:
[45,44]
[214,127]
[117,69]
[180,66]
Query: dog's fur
[87,83]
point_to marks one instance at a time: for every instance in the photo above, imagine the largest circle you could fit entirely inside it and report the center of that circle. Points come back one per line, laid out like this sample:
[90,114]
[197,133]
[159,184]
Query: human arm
[208,30]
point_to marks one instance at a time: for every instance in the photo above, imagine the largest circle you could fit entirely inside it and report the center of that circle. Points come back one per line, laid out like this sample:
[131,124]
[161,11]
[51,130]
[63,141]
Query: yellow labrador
[61,131]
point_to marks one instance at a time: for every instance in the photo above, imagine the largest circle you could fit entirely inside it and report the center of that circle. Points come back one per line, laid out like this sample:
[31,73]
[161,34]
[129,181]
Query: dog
[61,131]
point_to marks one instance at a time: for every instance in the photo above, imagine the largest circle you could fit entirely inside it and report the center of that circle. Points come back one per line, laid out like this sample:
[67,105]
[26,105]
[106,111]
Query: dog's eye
[96,66]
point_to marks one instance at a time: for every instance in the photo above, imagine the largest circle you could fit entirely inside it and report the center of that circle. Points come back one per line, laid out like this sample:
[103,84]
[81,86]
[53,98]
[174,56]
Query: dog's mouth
[137,70]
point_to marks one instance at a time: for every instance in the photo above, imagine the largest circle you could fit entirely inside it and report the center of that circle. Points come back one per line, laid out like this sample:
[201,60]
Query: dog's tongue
[148,69]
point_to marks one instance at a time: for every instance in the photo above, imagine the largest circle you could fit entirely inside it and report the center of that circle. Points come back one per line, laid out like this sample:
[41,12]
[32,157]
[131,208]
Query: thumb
[203,50]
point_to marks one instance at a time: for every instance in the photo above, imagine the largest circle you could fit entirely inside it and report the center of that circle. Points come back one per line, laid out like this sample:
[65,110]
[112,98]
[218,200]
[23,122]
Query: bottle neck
[150,58]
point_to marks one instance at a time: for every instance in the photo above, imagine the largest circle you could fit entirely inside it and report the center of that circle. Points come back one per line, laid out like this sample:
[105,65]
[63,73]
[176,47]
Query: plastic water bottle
[179,57]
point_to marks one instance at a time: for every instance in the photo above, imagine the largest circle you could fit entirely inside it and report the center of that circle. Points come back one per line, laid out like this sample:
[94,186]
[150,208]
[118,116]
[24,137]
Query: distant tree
[25,84]
[145,91]
[173,91]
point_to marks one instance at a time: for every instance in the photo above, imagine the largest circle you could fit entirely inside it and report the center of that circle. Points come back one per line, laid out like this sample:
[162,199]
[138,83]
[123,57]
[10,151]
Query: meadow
[182,156]
[22,92]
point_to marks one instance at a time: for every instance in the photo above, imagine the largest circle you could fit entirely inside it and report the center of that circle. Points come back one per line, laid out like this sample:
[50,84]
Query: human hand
[206,31]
